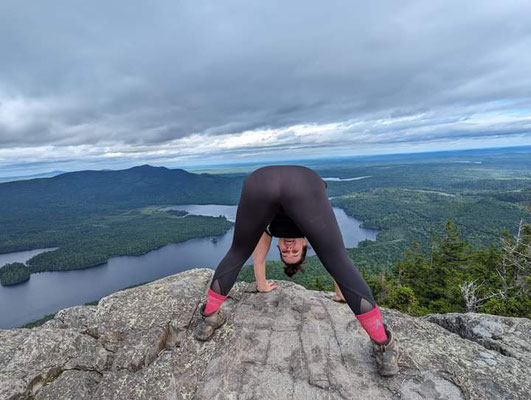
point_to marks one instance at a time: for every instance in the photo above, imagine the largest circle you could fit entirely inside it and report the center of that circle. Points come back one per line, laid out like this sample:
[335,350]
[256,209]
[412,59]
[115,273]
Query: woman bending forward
[290,201]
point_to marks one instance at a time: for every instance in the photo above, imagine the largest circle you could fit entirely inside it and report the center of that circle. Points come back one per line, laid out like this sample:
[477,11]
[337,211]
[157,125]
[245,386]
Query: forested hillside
[92,216]
[33,206]
[411,215]
[48,212]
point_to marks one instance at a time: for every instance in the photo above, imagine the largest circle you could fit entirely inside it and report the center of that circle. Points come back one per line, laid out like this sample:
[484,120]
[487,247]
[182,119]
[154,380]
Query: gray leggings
[303,196]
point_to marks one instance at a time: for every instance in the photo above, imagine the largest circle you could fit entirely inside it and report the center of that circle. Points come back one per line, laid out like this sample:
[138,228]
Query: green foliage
[11,274]
[497,173]
[53,212]
[177,213]
[407,215]
[379,283]
[318,284]
[413,271]
[96,240]
[39,322]
[497,278]
[511,307]
[403,298]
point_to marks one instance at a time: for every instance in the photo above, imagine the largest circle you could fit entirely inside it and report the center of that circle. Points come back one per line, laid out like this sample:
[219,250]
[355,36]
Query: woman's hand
[269,286]
[259,263]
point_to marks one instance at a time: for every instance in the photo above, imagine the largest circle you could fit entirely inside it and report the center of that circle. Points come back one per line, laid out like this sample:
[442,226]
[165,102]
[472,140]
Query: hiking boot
[208,323]
[386,354]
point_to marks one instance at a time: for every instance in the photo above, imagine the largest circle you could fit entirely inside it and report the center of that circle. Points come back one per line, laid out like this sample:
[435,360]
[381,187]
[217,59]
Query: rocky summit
[290,343]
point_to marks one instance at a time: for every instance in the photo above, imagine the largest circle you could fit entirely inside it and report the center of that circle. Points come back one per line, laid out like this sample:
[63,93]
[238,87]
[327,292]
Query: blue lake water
[48,292]
[21,256]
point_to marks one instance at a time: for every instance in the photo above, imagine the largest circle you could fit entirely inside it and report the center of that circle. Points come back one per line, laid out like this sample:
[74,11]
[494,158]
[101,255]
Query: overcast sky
[113,84]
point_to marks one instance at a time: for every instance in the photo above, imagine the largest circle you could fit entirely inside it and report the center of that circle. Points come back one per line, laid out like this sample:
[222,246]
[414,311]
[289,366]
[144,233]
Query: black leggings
[303,196]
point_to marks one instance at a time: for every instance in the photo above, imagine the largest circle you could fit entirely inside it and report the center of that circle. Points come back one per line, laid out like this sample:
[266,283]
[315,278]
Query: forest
[456,277]
[95,240]
[13,273]
[405,216]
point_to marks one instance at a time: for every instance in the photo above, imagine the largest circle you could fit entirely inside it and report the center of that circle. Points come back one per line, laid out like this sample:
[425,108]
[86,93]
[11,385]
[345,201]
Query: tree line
[456,277]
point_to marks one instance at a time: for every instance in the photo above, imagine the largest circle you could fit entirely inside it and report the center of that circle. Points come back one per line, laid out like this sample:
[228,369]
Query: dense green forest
[94,240]
[129,234]
[92,216]
[11,274]
[456,277]
[34,211]
[408,215]
[499,169]
[38,212]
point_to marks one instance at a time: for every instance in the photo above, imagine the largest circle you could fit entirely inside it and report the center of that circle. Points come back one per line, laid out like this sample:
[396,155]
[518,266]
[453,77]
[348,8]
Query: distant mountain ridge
[135,186]
[37,204]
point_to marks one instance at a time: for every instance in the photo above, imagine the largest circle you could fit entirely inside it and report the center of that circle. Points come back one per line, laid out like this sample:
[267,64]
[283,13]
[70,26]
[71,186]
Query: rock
[290,343]
[508,336]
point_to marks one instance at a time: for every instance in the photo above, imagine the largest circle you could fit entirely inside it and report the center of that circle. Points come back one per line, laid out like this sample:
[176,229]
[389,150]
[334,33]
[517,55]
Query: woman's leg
[258,204]
[305,200]
[259,201]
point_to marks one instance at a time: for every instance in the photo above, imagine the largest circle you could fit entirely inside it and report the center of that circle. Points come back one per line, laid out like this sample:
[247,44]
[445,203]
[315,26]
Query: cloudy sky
[99,84]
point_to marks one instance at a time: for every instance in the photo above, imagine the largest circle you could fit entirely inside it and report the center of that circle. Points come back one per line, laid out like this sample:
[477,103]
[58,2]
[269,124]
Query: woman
[292,246]
[297,192]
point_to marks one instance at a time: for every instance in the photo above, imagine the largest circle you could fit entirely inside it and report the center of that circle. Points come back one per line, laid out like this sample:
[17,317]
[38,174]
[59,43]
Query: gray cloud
[129,76]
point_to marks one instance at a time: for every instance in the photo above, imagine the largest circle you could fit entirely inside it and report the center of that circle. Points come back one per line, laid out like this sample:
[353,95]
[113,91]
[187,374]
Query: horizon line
[214,166]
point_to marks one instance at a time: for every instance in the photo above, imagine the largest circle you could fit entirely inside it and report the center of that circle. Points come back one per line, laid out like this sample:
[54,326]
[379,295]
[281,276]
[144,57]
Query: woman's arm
[259,263]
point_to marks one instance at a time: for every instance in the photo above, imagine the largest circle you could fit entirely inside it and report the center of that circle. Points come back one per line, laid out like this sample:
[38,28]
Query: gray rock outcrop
[290,343]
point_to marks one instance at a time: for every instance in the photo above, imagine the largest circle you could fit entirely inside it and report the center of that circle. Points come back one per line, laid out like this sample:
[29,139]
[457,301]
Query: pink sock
[372,322]
[214,301]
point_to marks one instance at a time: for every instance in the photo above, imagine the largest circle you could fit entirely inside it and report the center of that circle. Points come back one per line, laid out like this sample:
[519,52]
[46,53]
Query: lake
[48,292]
[21,256]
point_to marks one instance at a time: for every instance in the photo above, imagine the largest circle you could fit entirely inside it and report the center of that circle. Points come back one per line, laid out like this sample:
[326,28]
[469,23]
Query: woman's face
[291,249]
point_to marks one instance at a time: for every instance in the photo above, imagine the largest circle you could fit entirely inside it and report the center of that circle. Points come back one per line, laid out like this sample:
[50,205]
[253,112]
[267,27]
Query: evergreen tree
[403,298]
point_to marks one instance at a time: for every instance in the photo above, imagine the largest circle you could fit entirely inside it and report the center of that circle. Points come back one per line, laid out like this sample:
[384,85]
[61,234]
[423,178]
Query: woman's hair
[292,269]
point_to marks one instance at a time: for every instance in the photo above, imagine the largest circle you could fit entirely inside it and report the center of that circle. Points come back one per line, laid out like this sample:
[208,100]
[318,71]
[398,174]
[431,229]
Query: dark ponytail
[292,269]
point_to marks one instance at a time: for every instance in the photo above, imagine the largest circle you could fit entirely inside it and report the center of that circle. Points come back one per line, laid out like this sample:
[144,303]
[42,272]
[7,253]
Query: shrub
[403,299]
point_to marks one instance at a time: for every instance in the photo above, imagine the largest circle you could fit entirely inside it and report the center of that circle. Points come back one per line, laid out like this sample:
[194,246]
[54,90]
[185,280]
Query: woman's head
[292,253]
